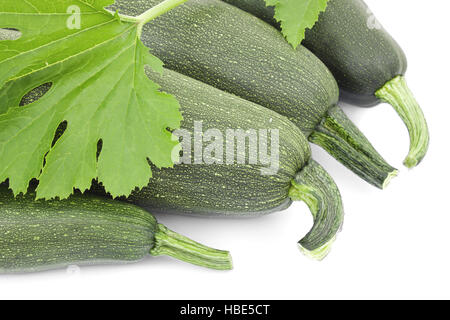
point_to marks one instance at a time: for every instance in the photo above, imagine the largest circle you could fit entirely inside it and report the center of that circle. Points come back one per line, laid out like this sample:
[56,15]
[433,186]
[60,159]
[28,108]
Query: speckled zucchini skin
[39,235]
[232,50]
[220,189]
[349,40]
[360,53]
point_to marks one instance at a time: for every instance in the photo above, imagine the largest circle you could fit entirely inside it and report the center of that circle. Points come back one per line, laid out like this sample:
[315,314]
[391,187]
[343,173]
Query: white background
[395,243]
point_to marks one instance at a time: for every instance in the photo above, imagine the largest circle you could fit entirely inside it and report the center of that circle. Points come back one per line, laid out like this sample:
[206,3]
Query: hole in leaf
[59,132]
[99,147]
[35,94]
[9,34]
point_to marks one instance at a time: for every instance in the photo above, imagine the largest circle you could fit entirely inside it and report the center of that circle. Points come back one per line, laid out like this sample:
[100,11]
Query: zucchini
[240,189]
[230,49]
[218,188]
[366,61]
[40,235]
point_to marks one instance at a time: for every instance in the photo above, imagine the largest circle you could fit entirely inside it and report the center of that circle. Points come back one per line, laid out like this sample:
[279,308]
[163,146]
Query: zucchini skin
[362,56]
[43,235]
[221,189]
[206,39]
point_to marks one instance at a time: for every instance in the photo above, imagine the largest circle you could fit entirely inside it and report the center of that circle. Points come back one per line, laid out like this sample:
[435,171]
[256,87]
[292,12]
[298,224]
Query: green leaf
[296,16]
[99,87]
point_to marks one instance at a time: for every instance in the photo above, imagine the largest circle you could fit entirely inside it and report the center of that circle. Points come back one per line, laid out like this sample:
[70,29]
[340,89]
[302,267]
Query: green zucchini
[216,188]
[230,49]
[204,185]
[366,61]
[40,235]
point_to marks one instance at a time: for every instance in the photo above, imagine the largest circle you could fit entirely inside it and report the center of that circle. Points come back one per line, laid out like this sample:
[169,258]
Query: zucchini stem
[339,136]
[314,186]
[172,244]
[397,94]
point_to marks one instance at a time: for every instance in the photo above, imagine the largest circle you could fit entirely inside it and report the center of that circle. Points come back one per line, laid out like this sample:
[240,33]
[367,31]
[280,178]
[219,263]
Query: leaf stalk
[157,11]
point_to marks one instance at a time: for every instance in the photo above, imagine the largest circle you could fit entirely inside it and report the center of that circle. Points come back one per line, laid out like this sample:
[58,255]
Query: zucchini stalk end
[320,253]
[389,178]
[314,186]
[340,137]
[397,94]
[172,244]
